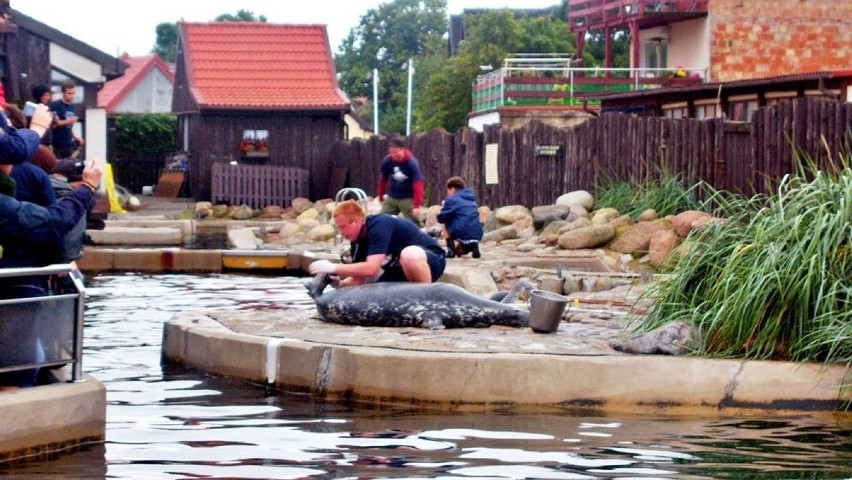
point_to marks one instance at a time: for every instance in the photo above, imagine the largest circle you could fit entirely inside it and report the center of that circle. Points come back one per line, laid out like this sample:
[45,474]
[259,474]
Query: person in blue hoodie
[460,216]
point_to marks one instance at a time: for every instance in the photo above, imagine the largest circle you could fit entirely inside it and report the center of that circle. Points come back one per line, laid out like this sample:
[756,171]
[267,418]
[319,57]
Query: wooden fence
[534,165]
[257,185]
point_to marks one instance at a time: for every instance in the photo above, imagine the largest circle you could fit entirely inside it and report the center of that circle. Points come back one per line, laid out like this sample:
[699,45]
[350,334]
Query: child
[460,216]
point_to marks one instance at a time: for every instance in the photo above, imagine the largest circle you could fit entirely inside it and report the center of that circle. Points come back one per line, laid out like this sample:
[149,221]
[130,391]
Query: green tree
[385,39]
[491,36]
[167,38]
[241,16]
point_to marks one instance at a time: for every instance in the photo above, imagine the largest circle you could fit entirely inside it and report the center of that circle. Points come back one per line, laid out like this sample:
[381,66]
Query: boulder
[512,213]
[586,237]
[661,246]
[300,204]
[605,215]
[580,198]
[321,232]
[683,221]
[243,212]
[636,238]
[545,214]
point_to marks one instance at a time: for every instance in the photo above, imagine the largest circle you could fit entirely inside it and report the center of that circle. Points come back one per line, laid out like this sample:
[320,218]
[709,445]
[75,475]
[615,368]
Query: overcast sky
[117,26]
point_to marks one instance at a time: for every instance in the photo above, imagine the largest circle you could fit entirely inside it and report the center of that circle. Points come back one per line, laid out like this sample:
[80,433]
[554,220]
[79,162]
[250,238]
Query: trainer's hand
[322,266]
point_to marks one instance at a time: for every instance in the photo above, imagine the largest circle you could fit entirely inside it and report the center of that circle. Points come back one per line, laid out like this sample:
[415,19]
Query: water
[169,423]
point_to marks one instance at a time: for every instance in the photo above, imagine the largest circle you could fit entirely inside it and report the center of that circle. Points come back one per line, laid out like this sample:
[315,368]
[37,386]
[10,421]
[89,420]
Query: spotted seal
[403,304]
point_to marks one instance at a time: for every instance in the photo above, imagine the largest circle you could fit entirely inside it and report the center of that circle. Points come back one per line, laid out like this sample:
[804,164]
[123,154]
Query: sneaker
[476,252]
[451,253]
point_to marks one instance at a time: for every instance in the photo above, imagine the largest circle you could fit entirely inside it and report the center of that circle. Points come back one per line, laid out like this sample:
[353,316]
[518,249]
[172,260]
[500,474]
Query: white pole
[410,82]
[376,101]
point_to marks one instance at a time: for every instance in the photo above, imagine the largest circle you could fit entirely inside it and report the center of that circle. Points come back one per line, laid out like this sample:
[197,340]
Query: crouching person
[460,216]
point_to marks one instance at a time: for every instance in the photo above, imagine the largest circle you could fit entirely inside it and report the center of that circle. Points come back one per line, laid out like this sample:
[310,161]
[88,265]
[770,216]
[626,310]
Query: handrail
[60,315]
[528,76]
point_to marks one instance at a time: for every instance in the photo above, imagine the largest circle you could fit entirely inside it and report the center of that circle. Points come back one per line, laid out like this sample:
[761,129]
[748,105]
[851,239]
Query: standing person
[42,95]
[383,242]
[402,179]
[65,141]
[460,216]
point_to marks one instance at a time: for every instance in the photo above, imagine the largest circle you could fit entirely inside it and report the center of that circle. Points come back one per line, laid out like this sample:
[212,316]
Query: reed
[774,280]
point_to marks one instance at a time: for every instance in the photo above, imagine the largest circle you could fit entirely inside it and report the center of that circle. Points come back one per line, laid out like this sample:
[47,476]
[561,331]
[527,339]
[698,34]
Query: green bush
[151,134]
[667,196]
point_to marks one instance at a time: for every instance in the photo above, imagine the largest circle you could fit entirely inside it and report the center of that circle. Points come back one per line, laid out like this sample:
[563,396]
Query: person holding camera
[42,96]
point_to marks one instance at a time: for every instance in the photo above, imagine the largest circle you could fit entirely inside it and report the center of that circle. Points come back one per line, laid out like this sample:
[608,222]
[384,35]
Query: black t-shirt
[389,235]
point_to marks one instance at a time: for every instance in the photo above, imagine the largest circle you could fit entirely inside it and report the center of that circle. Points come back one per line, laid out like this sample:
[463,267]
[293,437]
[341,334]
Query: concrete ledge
[41,419]
[112,235]
[98,259]
[680,385]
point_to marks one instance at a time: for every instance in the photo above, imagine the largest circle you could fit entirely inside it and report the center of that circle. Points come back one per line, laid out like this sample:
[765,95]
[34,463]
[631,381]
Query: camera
[29,109]
[79,167]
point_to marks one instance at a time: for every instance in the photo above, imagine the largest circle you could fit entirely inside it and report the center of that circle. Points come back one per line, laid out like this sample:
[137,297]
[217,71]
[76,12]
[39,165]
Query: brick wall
[763,38]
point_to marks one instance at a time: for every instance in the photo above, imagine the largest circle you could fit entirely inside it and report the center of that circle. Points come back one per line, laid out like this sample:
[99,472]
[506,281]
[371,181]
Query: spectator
[402,179]
[42,95]
[65,141]
[30,234]
[383,242]
[460,216]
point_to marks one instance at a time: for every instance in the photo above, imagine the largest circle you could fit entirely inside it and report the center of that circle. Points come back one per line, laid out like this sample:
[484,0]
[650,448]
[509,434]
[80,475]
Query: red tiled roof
[114,91]
[260,66]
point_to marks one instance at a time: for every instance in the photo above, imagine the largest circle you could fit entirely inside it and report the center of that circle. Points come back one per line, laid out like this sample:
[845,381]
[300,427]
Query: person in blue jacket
[32,236]
[460,216]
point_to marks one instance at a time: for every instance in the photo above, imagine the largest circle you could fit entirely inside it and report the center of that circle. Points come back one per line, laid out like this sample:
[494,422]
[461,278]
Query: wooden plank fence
[745,157]
[257,185]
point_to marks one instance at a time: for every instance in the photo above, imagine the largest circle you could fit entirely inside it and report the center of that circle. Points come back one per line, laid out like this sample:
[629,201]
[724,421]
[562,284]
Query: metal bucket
[546,309]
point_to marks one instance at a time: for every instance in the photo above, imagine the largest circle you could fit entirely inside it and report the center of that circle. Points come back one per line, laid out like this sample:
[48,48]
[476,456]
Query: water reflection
[166,422]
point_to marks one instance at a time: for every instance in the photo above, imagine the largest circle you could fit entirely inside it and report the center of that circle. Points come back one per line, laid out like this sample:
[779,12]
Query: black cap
[38,91]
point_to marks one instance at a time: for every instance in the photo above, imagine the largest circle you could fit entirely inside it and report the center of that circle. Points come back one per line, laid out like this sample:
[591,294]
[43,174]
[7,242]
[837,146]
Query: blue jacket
[460,215]
[16,144]
[32,235]
[33,184]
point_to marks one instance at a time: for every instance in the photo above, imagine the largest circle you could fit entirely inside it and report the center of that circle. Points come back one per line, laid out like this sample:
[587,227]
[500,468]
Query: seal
[404,304]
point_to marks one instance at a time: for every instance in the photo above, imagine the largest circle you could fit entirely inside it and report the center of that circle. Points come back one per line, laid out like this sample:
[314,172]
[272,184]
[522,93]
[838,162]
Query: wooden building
[255,94]
[32,53]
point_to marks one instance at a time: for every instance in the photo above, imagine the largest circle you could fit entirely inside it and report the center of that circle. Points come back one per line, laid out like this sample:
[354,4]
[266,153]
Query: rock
[682,222]
[586,237]
[546,214]
[674,338]
[512,213]
[579,223]
[243,212]
[321,232]
[300,204]
[307,223]
[648,215]
[636,239]
[580,198]
[203,209]
[501,234]
[243,239]
[605,215]
[310,213]
[661,246]
[220,211]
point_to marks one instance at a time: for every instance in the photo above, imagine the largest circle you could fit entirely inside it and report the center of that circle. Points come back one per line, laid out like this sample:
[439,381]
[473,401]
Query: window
[676,110]
[706,109]
[742,107]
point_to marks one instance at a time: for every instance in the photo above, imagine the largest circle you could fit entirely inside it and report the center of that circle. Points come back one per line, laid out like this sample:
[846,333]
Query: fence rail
[257,185]
[44,331]
[745,157]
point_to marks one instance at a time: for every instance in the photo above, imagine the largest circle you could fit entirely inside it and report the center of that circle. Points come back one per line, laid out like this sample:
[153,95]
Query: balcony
[546,80]
[585,15]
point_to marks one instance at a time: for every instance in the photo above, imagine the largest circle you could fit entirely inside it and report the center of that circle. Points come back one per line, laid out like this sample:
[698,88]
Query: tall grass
[774,280]
[666,195]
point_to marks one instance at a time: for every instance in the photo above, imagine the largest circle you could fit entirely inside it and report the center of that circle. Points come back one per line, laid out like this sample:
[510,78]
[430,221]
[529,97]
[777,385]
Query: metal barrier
[53,322]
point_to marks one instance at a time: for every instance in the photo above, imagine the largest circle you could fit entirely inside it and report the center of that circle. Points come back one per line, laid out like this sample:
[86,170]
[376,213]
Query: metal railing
[546,79]
[54,322]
